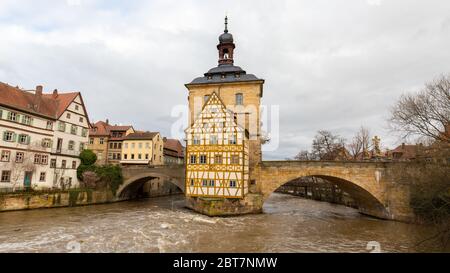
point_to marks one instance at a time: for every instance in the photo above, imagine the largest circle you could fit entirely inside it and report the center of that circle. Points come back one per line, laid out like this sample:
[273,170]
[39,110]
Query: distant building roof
[404,152]
[102,128]
[173,147]
[141,136]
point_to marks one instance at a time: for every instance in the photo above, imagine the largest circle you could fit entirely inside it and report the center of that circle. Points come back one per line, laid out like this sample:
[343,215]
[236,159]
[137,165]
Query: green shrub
[88,157]
[111,175]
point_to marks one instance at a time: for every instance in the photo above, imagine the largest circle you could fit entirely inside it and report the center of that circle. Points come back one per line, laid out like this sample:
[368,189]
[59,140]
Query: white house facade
[42,136]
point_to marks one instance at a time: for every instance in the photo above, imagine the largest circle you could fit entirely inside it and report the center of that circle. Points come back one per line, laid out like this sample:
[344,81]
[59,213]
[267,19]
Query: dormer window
[237,75]
[209,77]
[223,76]
[239,99]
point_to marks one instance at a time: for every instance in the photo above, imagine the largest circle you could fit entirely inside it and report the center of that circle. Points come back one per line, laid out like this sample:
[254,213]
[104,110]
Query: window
[46,143]
[110,145]
[102,140]
[211,183]
[125,145]
[147,145]
[234,159]
[49,125]
[44,159]
[77,107]
[27,120]
[203,159]
[68,115]
[74,164]
[84,132]
[140,145]
[42,177]
[119,145]
[37,159]
[71,145]
[205,182]
[233,139]
[239,99]
[81,146]
[110,156]
[73,129]
[218,159]
[139,156]
[61,126]
[63,164]
[192,182]
[132,156]
[233,183]
[147,156]
[53,163]
[9,136]
[118,156]
[91,141]
[5,156]
[6,176]
[100,155]
[133,145]
[193,159]
[24,139]
[213,140]
[13,116]
[125,156]
[81,119]
[205,98]
[196,140]
[19,157]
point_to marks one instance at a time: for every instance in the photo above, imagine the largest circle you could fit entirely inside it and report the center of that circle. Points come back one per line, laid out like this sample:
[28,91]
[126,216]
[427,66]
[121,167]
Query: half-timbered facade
[217,154]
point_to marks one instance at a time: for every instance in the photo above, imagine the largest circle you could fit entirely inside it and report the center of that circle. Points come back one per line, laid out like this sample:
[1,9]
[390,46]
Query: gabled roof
[405,151]
[47,105]
[101,128]
[214,111]
[175,146]
[141,136]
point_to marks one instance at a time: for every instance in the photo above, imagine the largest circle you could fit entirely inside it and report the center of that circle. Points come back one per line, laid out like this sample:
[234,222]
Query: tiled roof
[101,128]
[48,105]
[141,136]
[175,147]
[404,152]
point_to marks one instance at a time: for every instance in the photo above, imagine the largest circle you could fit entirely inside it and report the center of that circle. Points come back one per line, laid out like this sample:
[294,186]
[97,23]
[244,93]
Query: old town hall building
[224,136]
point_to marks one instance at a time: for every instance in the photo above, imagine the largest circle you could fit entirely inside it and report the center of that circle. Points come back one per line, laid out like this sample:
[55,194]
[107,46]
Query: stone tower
[240,94]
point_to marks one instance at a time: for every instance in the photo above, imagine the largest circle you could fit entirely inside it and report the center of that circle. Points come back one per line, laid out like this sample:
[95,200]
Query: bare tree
[360,143]
[304,155]
[426,113]
[327,146]
[23,165]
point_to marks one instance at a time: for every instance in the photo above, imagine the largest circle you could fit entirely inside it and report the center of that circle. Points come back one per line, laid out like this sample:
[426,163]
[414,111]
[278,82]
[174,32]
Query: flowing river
[289,224]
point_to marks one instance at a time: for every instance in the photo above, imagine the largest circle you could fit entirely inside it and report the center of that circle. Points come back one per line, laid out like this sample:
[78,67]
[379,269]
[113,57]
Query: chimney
[55,94]
[39,89]
[403,146]
[107,121]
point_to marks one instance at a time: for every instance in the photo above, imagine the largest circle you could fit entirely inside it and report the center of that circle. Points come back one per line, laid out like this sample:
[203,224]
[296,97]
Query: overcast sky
[335,64]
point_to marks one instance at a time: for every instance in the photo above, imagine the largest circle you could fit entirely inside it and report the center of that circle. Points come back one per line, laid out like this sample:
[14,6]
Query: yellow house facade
[143,148]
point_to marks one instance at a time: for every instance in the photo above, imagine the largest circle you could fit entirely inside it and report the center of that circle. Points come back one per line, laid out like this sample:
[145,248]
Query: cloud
[328,64]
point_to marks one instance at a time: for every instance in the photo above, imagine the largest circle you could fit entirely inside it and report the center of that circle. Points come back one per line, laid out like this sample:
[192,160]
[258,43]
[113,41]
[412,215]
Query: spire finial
[226,24]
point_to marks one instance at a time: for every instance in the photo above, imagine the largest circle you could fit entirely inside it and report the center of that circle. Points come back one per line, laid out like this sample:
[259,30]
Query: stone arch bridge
[373,185]
[136,176]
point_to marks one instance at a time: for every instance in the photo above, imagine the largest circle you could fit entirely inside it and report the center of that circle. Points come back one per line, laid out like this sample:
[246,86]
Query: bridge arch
[132,184]
[363,182]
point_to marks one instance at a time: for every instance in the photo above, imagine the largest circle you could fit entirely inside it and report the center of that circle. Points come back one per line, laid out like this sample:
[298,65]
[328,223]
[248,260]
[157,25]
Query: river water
[289,224]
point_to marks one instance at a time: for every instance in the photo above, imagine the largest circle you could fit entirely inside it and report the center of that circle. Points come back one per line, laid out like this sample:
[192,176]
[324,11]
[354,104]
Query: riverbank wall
[57,199]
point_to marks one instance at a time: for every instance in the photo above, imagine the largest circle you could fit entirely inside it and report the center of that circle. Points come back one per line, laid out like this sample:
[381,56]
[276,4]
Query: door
[27,179]
[59,145]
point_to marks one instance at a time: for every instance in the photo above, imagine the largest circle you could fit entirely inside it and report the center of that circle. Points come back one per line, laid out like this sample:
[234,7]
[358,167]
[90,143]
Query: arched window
[239,99]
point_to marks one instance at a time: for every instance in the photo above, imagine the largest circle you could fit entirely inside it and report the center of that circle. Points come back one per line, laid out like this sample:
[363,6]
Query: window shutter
[14,137]
[4,136]
[1,114]
[28,139]
[18,117]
